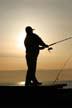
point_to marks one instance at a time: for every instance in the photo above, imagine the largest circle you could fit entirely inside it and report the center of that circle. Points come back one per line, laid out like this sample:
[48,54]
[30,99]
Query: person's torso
[31,44]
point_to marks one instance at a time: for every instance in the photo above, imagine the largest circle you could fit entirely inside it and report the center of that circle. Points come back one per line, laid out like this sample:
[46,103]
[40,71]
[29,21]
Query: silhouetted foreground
[35,96]
[33,44]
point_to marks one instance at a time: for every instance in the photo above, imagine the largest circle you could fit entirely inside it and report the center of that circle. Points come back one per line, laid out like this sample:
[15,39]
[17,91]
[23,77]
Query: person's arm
[41,47]
[42,44]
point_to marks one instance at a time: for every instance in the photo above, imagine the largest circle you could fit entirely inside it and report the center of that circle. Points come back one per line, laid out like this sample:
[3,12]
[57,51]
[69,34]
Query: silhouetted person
[32,43]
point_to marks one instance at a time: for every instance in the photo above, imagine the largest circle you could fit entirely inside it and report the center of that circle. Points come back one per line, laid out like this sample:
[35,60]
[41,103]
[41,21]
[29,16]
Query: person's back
[32,44]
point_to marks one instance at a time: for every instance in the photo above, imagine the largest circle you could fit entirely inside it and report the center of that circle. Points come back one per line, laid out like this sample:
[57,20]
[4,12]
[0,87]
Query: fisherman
[33,44]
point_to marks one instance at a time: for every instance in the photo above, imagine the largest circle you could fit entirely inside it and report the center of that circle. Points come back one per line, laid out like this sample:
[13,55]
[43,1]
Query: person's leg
[27,82]
[34,64]
[28,75]
[31,63]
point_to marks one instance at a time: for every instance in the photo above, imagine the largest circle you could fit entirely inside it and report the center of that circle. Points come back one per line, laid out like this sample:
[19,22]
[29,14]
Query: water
[17,77]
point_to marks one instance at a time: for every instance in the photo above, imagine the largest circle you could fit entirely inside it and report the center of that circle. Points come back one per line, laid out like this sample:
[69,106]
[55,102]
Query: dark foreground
[34,97]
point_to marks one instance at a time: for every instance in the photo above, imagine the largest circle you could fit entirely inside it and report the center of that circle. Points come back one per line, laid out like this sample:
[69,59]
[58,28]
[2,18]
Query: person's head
[29,29]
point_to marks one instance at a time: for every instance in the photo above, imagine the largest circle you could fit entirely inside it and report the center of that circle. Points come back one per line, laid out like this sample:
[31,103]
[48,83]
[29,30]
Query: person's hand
[46,46]
[42,47]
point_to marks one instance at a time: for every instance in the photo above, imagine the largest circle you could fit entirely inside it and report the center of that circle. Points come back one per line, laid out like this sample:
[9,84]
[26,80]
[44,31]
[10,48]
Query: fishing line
[57,77]
[50,48]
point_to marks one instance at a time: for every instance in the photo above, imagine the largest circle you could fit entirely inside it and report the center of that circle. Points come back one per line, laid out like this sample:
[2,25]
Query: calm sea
[17,77]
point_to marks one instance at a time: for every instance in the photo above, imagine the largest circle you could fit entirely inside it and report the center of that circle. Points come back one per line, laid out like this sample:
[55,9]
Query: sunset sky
[52,20]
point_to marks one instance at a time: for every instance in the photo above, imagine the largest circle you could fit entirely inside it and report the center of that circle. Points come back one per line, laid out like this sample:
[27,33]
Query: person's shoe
[37,83]
[27,83]
[33,83]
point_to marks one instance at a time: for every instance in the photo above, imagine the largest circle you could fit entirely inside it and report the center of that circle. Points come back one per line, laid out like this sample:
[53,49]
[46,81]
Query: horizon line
[37,69]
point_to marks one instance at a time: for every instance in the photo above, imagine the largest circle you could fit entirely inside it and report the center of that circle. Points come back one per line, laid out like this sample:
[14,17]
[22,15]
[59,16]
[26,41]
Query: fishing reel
[50,48]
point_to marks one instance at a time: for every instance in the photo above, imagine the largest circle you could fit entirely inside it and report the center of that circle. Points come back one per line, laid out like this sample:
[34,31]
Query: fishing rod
[50,48]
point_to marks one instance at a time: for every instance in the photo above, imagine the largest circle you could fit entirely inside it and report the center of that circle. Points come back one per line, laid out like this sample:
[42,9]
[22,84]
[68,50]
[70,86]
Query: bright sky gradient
[52,20]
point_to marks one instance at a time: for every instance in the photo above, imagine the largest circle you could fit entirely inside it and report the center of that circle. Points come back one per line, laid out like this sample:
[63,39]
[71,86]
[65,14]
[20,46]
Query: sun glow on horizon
[22,83]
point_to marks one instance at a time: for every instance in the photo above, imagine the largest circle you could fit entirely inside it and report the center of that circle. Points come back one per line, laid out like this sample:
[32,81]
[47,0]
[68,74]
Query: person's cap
[28,28]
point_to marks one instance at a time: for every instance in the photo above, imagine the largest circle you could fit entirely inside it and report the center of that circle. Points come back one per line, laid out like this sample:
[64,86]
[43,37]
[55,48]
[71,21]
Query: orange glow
[20,40]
